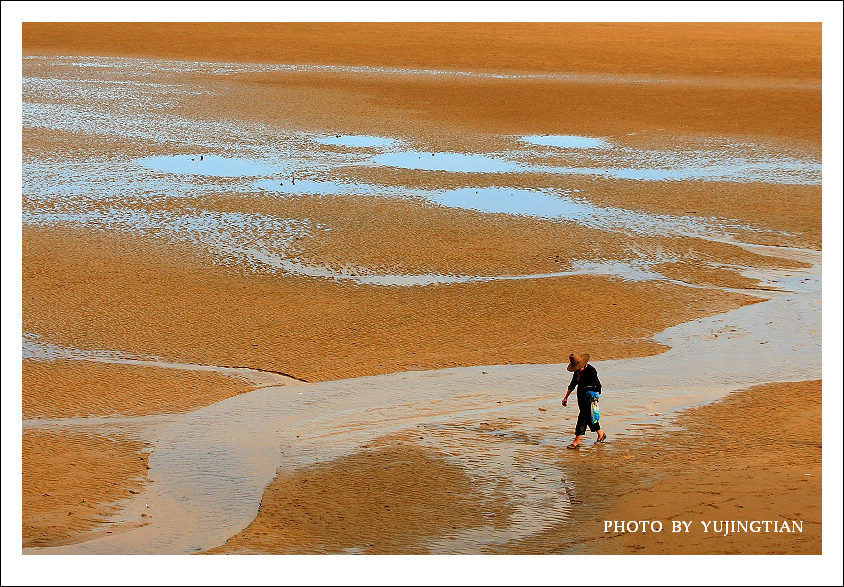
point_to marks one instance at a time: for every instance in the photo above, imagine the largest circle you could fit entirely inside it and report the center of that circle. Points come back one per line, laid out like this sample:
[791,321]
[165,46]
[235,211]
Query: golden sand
[409,236]
[790,50]
[72,483]
[384,500]
[389,498]
[427,109]
[743,458]
[793,209]
[62,389]
[103,291]
[755,455]
[695,272]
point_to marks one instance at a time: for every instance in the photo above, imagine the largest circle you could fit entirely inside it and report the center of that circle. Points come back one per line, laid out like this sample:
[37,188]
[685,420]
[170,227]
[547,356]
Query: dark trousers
[584,419]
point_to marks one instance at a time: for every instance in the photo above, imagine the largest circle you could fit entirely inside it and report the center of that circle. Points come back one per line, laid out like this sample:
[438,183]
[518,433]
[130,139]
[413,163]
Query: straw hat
[577,361]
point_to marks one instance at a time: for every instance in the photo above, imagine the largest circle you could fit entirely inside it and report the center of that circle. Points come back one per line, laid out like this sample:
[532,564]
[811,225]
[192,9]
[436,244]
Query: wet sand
[794,210]
[650,48]
[317,330]
[755,455]
[407,236]
[502,424]
[105,285]
[425,109]
[385,500]
[73,484]
[734,467]
[66,389]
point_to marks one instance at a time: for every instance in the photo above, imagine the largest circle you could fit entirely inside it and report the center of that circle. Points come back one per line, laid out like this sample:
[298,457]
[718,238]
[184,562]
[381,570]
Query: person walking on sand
[585,378]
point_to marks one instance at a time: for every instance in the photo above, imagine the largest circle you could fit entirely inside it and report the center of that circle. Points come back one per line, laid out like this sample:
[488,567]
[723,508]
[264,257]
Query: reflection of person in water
[585,378]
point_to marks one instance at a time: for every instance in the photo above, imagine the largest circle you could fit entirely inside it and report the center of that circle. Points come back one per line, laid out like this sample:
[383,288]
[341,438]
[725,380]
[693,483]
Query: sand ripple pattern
[210,467]
[135,100]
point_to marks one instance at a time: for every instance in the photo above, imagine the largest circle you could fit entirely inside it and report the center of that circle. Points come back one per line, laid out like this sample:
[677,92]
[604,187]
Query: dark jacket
[586,382]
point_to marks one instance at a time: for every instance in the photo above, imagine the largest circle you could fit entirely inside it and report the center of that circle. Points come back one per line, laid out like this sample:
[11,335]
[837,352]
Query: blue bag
[596,414]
